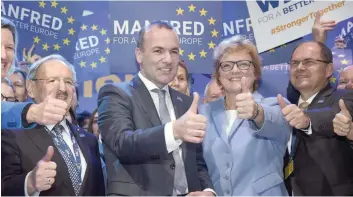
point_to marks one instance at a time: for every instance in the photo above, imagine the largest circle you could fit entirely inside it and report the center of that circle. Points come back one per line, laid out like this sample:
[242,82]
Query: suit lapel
[320,98]
[42,140]
[219,118]
[80,136]
[145,101]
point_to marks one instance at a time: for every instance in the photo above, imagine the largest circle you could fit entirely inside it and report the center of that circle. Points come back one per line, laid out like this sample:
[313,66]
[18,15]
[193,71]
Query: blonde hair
[232,45]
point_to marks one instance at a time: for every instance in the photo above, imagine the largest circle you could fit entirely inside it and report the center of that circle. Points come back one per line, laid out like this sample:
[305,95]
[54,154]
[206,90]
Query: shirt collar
[309,100]
[150,85]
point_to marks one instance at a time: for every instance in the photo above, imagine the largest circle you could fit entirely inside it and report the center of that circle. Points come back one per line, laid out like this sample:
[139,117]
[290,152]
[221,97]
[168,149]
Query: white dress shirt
[231,115]
[170,141]
[67,138]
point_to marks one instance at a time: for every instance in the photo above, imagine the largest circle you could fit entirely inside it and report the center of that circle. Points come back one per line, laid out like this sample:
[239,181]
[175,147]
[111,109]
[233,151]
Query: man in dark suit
[151,129]
[58,159]
[322,159]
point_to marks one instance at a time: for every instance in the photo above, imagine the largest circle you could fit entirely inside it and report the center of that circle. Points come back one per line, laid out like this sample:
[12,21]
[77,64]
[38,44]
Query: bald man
[212,91]
[346,78]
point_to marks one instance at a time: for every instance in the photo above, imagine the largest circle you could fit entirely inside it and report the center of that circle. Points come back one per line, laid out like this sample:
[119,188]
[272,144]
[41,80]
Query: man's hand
[191,126]
[293,114]
[342,123]
[42,177]
[50,111]
[320,28]
[201,193]
[29,58]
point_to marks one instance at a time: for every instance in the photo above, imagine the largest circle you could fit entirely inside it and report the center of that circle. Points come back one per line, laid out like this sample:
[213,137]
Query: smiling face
[159,56]
[180,81]
[7,51]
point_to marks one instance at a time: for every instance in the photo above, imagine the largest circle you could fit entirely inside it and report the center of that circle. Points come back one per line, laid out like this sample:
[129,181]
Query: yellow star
[272,50]
[94,27]
[64,10]
[66,41]
[191,8]
[211,21]
[70,20]
[56,47]
[107,40]
[107,50]
[181,51]
[203,12]
[102,59]
[94,65]
[179,11]
[211,45]
[36,39]
[214,33]
[71,31]
[54,4]
[203,53]
[344,62]
[82,64]
[83,27]
[42,4]
[45,46]
[103,32]
[191,56]
[333,79]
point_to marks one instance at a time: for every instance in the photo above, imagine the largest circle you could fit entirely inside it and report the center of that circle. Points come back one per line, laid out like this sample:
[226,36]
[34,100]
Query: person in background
[212,91]
[7,91]
[246,135]
[18,79]
[83,119]
[181,80]
[346,78]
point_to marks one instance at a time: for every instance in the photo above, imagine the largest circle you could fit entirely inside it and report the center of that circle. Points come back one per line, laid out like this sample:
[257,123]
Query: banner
[277,22]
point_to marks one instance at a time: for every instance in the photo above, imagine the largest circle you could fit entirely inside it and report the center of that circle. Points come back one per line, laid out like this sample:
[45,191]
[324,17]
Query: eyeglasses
[241,64]
[8,98]
[68,81]
[308,62]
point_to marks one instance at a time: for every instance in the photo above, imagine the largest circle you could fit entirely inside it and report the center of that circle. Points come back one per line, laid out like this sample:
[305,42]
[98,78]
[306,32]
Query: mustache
[62,95]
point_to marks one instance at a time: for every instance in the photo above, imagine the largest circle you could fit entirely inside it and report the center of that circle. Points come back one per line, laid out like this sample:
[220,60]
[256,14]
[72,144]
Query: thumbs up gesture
[293,114]
[191,126]
[342,123]
[51,110]
[245,103]
[42,177]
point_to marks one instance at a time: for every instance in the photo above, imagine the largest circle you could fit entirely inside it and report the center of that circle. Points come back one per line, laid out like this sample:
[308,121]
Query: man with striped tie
[320,160]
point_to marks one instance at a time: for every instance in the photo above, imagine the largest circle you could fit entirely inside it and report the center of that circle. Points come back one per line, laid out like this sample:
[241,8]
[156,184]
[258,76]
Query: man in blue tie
[57,159]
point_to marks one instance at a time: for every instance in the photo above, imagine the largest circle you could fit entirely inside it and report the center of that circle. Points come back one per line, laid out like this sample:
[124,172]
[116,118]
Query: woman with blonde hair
[246,134]
[181,79]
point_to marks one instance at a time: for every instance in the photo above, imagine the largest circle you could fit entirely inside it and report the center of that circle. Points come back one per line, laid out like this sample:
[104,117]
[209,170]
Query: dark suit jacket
[22,149]
[133,134]
[323,161]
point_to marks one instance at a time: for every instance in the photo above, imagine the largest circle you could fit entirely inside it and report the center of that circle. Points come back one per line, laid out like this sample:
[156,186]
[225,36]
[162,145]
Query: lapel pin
[82,135]
[321,101]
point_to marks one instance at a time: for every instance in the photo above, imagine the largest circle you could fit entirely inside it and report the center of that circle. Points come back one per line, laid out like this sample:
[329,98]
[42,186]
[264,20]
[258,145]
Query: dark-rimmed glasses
[241,64]
[306,62]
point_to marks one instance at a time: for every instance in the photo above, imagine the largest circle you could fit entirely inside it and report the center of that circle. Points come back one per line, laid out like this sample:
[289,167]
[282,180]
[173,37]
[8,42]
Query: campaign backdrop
[99,39]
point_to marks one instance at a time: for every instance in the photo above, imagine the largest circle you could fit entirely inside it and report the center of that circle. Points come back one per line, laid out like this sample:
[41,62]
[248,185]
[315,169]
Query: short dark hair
[81,117]
[159,24]
[325,52]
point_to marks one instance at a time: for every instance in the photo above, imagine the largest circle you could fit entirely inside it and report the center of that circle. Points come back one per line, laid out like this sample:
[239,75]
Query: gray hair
[229,43]
[8,24]
[159,24]
[32,73]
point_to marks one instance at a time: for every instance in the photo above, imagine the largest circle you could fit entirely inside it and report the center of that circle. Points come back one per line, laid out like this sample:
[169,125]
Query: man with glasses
[322,159]
[7,91]
[58,159]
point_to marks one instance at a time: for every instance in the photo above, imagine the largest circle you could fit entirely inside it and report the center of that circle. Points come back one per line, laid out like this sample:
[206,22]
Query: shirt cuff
[210,190]
[308,131]
[36,193]
[170,141]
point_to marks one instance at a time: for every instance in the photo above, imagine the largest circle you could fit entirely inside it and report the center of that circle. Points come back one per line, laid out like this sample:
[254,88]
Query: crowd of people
[152,136]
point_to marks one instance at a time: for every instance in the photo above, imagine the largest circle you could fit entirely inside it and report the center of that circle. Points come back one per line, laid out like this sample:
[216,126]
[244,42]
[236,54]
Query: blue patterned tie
[73,166]
[180,181]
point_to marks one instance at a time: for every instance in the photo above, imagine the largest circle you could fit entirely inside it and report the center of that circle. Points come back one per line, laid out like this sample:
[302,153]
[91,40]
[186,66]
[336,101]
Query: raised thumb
[281,101]
[244,85]
[194,104]
[344,109]
[49,154]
